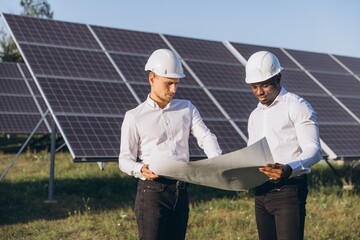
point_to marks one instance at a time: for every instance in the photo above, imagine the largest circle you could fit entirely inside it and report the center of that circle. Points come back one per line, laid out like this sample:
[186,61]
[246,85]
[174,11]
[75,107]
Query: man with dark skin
[290,126]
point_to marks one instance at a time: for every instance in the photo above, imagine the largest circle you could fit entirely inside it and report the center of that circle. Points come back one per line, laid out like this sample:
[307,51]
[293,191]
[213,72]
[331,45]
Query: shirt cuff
[137,171]
[298,169]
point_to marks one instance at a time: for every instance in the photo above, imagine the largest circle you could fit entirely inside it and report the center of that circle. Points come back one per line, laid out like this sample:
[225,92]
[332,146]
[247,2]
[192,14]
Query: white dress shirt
[148,128]
[290,127]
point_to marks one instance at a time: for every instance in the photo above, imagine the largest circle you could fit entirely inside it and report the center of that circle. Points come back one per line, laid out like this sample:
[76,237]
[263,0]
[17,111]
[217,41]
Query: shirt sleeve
[307,132]
[205,138]
[129,143]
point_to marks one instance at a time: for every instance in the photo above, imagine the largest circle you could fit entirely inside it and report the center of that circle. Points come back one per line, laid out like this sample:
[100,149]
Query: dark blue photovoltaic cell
[44,31]
[237,104]
[201,100]
[220,75]
[142,90]
[18,111]
[300,83]
[229,140]
[20,124]
[243,127]
[9,70]
[61,62]
[196,49]
[344,140]
[246,50]
[318,62]
[350,62]
[20,104]
[328,110]
[13,86]
[26,71]
[339,84]
[352,103]
[87,97]
[126,41]
[92,137]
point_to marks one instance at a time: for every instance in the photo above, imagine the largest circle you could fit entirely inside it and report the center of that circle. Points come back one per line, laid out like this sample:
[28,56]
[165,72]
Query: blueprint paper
[235,171]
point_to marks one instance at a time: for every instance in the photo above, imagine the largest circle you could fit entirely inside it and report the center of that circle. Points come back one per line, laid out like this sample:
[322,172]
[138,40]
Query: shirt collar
[153,104]
[279,97]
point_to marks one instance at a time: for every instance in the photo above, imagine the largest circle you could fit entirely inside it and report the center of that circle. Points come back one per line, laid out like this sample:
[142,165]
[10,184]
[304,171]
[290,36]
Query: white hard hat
[262,66]
[165,63]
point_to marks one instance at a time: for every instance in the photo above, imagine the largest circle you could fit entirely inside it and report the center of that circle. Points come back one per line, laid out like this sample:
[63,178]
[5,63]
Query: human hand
[147,173]
[276,171]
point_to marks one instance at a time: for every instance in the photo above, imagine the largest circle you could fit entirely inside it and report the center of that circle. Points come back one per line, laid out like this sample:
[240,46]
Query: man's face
[163,89]
[266,91]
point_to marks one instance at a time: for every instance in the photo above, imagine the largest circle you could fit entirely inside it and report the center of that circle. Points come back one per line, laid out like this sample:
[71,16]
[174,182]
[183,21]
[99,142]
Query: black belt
[171,182]
[271,186]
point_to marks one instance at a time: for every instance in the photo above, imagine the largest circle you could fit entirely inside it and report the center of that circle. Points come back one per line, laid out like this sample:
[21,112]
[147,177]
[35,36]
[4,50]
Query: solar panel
[90,76]
[19,112]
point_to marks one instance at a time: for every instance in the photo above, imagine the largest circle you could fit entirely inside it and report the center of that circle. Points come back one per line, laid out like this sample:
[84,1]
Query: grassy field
[94,204]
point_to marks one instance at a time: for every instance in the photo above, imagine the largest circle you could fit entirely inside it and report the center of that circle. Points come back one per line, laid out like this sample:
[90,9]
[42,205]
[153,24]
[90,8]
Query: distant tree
[33,8]
[36,8]
[9,51]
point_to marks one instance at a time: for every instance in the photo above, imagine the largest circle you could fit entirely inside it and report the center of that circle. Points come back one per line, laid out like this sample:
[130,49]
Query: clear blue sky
[326,26]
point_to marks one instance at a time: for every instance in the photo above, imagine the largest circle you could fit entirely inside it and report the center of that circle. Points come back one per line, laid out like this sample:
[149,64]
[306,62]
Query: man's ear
[152,78]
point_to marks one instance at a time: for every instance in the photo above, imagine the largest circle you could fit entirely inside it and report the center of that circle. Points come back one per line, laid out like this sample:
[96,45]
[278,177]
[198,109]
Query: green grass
[94,204]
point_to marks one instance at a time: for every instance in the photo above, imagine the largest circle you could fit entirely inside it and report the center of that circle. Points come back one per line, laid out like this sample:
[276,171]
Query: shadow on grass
[23,202]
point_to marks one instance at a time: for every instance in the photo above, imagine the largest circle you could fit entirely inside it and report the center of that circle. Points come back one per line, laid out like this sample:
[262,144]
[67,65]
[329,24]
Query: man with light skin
[290,126]
[161,125]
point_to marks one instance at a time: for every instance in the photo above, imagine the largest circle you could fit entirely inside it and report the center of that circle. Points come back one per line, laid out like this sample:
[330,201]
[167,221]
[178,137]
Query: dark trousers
[162,209]
[280,209]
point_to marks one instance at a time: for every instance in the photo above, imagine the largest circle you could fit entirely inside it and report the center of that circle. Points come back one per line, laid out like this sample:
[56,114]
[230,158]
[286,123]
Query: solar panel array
[89,76]
[21,106]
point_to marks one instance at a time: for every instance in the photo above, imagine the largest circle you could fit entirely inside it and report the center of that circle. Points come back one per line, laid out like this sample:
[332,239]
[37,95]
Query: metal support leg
[52,163]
